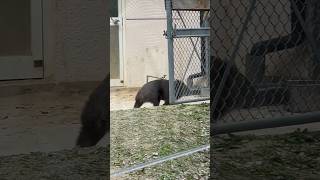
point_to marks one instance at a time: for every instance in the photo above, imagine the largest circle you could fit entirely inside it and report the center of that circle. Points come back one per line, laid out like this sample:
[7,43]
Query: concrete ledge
[126,89]
[13,88]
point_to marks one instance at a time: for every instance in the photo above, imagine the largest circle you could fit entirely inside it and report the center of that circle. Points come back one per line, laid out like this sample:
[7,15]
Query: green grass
[140,135]
[290,156]
[144,134]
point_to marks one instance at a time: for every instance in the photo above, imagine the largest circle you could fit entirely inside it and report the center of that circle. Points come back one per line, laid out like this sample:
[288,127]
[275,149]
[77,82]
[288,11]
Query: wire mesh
[264,65]
[190,57]
[274,68]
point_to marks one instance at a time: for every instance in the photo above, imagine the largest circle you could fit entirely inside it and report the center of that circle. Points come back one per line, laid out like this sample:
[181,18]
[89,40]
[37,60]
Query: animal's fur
[95,116]
[157,90]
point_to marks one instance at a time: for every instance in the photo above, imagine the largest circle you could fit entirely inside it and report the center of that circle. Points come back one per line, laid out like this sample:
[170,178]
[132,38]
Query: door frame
[120,81]
[25,67]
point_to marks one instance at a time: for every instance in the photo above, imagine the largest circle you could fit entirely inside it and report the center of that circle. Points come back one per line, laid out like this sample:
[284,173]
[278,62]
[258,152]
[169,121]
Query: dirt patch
[41,109]
[124,98]
[41,119]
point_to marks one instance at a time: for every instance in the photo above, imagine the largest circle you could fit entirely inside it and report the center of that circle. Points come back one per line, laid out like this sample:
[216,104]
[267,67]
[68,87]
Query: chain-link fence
[188,51]
[264,63]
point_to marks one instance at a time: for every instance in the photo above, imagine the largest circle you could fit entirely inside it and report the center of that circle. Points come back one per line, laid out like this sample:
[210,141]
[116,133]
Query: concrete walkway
[44,139]
[43,120]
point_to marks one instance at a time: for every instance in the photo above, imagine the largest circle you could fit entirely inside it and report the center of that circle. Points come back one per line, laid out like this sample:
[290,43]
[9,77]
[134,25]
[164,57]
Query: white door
[21,54]
[116,51]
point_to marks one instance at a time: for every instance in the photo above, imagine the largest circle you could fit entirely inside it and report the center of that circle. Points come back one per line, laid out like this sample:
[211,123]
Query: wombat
[95,116]
[157,90]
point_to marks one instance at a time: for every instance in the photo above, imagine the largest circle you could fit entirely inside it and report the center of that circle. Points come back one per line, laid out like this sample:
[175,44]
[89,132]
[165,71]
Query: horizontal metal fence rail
[306,118]
[159,161]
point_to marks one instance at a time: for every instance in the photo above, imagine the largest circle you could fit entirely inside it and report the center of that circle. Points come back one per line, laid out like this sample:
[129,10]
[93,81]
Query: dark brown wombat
[95,116]
[157,90]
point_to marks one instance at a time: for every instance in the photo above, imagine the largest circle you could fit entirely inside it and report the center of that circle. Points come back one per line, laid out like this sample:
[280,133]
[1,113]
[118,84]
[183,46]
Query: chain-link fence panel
[188,52]
[264,62]
[163,134]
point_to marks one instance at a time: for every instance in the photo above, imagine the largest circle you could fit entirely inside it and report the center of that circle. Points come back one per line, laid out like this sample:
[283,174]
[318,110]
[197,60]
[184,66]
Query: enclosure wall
[145,48]
[76,44]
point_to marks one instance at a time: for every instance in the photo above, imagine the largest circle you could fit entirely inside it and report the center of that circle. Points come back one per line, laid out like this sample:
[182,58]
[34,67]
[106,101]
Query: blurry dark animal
[95,116]
[238,91]
[157,90]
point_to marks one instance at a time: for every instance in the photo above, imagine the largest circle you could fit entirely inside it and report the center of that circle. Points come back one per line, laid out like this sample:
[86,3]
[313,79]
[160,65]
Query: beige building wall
[145,47]
[75,40]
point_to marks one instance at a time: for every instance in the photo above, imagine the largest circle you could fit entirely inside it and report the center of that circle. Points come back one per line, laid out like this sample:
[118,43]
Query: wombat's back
[94,117]
[152,92]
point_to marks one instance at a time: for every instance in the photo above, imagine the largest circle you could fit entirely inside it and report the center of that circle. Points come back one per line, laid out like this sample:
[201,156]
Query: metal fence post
[168,5]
